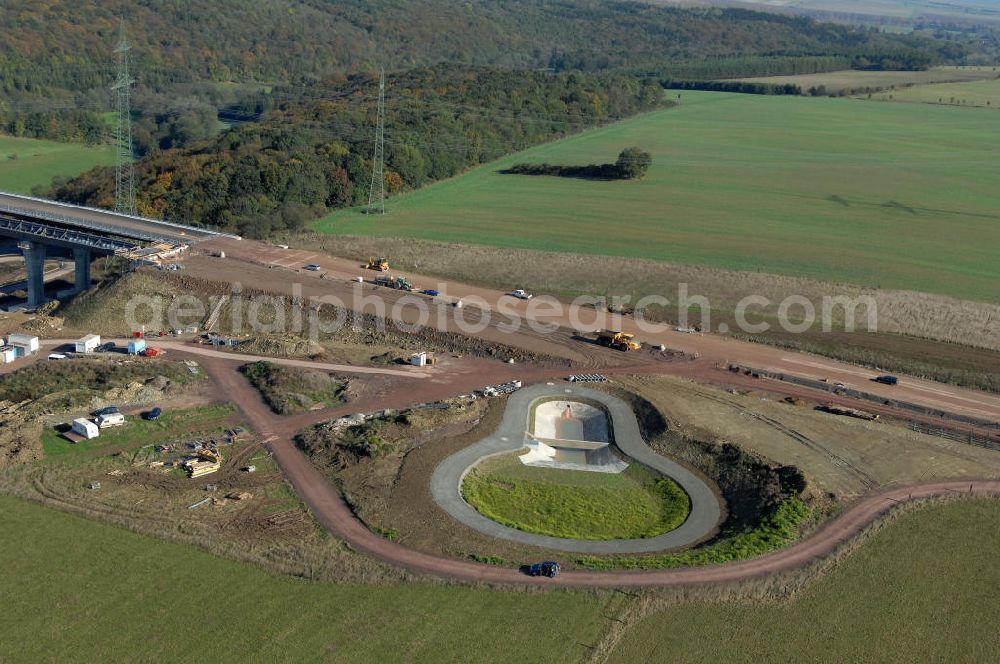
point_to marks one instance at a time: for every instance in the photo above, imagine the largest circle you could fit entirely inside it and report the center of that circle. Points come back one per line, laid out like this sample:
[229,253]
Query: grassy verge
[289,390]
[137,432]
[576,504]
[132,601]
[775,531]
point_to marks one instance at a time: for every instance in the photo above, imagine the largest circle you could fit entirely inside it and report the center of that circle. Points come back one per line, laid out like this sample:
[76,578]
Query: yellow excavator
[622,341]
[379,264]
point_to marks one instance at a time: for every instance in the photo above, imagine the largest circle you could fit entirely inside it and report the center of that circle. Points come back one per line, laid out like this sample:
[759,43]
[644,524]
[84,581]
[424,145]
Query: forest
[305,157]
[257,117]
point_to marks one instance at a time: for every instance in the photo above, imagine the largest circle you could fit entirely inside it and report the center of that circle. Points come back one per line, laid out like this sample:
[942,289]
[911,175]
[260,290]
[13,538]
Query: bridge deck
[102,221]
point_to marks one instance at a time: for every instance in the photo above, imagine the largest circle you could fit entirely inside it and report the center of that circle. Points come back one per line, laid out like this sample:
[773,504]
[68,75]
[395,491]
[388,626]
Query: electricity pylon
[376,192]
[124,169]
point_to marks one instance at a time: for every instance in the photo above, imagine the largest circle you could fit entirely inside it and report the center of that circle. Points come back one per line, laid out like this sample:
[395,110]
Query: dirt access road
[286,267]
[329,508]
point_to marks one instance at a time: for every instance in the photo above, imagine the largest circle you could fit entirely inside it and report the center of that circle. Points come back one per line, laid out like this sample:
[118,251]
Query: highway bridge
[38,225]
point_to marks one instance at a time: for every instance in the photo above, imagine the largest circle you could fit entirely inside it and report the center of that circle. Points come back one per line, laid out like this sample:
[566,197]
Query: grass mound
[289,390]
[576,504]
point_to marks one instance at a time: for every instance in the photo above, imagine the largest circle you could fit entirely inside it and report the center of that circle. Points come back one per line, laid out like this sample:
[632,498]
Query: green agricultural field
[78,591]
[835,81]
[971,93]
[888,195]
[575,504]
[38,161]
[923,591]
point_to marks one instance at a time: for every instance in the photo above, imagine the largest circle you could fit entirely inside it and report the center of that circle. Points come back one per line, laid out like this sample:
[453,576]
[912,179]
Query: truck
[520,294]
[622,341]
[398,283]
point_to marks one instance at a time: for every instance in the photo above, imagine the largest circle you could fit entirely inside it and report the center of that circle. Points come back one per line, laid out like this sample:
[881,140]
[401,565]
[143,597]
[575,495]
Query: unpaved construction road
[260,263]
[329,508]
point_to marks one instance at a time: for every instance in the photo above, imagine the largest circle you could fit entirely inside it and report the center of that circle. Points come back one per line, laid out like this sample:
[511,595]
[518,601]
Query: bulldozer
[379,264]
[622,341]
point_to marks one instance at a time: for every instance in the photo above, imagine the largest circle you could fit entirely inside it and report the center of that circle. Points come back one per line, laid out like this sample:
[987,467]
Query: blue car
[153,414]
[431,292]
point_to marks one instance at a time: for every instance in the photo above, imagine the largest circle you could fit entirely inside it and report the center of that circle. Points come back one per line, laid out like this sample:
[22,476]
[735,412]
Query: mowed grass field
[573,503]
[38,161]
[76,590]
[887,195]
[924,590]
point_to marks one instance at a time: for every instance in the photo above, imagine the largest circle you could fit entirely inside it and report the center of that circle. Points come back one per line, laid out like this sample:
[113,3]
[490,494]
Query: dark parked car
[431,292]
[106,348]
[887,380]
[549,568]
[153,414]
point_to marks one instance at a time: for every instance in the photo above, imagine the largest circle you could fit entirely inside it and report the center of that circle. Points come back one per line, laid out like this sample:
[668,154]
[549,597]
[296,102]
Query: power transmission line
[124,168]
[376,203]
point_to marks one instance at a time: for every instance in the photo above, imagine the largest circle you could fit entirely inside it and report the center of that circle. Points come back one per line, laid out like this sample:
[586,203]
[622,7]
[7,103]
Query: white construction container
[88,344]
[418,359]
[84,427]
[7,354]
[24,344]
[110,420]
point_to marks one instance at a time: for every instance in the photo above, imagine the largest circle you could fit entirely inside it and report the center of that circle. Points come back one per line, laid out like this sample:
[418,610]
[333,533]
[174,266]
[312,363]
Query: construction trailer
[24,344]
[81,426]
[7,354]
[110,420]
[136,346]
[88,344]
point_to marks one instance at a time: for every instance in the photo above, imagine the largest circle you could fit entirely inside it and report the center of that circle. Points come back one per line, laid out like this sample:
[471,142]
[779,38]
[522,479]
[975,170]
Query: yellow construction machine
[622,341]
[380,264]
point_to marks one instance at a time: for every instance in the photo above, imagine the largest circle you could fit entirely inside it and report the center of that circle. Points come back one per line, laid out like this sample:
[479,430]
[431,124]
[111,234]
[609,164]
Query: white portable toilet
[88,344]
[85,428]
[7,354]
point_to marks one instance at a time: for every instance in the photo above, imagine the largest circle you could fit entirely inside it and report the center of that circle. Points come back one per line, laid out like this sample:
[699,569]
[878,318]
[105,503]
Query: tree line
[632,164]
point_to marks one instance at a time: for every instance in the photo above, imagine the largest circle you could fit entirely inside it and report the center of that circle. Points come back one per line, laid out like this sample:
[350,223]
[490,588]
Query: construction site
[382,405]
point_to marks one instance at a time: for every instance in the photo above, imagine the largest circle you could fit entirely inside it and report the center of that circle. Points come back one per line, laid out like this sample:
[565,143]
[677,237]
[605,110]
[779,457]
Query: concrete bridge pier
[34,261]
[81,281]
